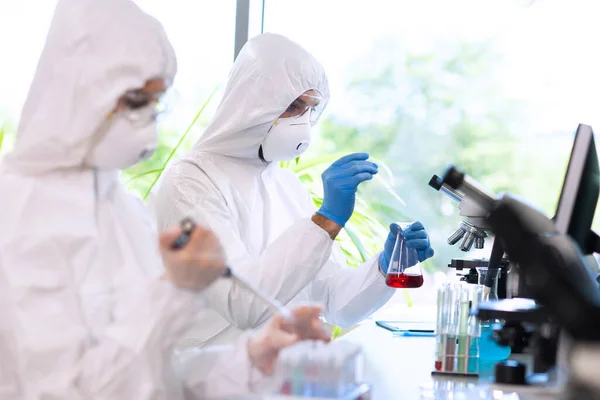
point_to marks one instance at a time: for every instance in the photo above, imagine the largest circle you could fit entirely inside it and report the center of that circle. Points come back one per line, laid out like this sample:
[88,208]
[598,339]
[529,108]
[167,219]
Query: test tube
[298,374]
[283,373]
[341,373]
[332,378]
[451,327]
[474,329]
[463,345]
[442,317]
[356,364]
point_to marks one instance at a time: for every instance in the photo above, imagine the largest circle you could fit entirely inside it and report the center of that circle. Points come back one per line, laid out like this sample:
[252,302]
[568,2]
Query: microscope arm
[551,264]
[592,244]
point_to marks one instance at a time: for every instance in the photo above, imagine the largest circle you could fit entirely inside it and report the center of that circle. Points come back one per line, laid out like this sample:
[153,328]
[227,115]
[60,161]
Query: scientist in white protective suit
[231,182]
[91,306]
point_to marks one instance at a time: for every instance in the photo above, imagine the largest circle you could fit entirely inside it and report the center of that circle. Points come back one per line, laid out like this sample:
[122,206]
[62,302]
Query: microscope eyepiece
[453,177]
[436,182]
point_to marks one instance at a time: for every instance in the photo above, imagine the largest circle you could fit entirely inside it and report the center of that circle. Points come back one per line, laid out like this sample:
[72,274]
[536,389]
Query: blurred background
[494,86]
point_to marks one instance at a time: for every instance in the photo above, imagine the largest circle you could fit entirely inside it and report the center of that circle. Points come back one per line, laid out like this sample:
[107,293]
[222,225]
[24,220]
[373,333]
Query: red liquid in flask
[404,281]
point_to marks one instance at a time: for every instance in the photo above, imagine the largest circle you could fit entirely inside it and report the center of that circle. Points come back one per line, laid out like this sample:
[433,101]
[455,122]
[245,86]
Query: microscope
[472,232]
[555,303]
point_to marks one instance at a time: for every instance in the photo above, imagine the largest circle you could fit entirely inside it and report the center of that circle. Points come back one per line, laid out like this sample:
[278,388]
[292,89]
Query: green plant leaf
[178,145]
[407,297]
[1,136]
[316,162]
[392,212]
[337,331]
[358,215]
[356,241]
[145,173]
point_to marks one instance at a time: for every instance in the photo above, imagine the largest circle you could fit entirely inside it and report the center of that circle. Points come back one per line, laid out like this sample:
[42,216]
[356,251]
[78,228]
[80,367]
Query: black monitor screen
[579,195]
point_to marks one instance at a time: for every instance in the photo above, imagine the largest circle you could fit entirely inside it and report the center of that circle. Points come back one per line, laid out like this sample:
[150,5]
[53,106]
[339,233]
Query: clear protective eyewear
[142,108]
[306,103]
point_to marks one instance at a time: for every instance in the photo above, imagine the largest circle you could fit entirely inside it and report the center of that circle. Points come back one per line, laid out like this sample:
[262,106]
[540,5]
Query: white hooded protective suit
[262,213]
[83,312]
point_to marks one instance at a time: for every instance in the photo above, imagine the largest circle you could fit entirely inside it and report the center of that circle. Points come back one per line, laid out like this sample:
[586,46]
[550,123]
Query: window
[202,33]
[23,32]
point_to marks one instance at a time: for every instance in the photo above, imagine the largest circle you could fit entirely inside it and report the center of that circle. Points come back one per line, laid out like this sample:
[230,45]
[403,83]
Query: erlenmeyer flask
[404,270]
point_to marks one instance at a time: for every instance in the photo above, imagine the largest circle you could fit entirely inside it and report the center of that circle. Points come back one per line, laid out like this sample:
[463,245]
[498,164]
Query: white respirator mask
[123,144]
[288,138]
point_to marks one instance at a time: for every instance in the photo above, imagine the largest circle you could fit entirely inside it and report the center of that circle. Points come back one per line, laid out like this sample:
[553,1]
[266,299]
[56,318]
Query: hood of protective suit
[94,52]
[270,72]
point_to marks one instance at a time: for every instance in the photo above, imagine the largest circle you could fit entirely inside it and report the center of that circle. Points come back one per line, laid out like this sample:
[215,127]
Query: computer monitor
[579,195]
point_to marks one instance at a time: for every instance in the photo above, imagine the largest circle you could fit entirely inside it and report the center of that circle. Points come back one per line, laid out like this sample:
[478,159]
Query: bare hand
[279,333]
[198,264]
[305,323]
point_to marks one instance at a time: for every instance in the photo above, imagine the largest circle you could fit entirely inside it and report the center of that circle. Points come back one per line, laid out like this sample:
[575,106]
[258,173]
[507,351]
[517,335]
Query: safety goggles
[142,108]
[306,103]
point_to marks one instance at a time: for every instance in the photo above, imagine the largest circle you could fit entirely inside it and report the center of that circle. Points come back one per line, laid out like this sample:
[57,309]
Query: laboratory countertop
[395,366]
[398,367]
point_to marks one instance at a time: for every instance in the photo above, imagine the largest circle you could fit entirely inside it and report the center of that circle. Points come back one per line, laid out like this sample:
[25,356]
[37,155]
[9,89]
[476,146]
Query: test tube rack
[314,369]
[457,331]
[361,392]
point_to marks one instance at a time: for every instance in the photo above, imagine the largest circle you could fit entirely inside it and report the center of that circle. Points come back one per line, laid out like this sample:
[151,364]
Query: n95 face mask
[122,144]
[287,139]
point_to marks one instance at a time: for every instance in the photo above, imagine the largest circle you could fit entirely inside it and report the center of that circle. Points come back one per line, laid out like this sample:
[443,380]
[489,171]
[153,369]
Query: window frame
[249,21]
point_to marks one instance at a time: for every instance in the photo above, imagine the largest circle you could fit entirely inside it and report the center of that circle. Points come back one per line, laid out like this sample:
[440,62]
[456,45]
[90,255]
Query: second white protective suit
[261,212]
[83,311]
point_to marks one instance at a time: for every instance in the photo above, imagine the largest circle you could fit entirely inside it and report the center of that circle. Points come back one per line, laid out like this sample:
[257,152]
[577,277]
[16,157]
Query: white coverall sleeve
[350,294]
[59,356]
[220,371]
[282,270]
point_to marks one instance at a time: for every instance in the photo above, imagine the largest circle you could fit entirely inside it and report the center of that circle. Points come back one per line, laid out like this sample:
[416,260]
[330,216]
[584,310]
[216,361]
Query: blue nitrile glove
[340,182]
[416,237]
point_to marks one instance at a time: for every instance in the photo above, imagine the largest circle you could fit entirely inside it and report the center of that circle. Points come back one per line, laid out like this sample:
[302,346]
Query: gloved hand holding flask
[405,247]
[340,183]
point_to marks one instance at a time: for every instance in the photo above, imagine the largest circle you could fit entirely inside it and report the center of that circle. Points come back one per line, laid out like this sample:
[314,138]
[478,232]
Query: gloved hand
[416,237]
[340,182]
[279,333]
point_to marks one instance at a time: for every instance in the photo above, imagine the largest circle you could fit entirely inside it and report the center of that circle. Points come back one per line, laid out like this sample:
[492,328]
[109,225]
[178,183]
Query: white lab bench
[397,367]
